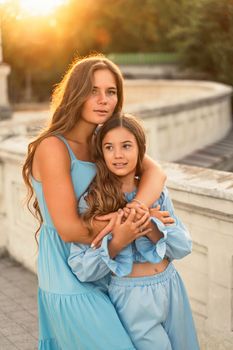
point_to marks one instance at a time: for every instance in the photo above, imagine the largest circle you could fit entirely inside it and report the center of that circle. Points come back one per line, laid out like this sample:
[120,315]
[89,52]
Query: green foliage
[39,49]
[143,58]
[204,38]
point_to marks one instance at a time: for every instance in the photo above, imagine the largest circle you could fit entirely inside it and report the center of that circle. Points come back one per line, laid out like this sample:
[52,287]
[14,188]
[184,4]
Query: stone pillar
[5,109]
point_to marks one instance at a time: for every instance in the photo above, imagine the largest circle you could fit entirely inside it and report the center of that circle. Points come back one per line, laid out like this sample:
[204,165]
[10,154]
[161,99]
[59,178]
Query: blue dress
[72,315]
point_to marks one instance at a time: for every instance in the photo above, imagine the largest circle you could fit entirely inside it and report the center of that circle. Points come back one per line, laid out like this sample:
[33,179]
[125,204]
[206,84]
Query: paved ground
[18,307]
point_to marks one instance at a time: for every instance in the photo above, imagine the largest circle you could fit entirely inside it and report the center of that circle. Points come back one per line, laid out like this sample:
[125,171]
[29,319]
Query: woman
[58,169]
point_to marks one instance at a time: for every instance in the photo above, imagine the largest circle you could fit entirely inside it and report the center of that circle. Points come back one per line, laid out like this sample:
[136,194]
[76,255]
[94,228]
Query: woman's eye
[94,92]
[112,92]
[109,148]
[127,146]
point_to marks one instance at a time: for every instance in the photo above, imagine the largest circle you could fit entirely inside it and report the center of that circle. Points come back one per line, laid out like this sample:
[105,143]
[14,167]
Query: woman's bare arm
[53,163]
[151,183]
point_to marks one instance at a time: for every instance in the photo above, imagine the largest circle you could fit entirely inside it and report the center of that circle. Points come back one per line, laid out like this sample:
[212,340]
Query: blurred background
[40,38]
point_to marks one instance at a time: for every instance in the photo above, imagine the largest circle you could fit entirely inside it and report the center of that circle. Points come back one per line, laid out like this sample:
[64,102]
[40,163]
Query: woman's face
[120,151]
[102,101]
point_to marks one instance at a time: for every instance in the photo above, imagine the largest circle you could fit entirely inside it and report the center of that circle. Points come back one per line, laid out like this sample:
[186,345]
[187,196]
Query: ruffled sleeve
[151,252]
[122,264]
[179,243]
[176,241]
[93,264]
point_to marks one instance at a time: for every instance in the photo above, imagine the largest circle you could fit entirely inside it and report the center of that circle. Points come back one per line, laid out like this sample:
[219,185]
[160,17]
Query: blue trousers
[155,311]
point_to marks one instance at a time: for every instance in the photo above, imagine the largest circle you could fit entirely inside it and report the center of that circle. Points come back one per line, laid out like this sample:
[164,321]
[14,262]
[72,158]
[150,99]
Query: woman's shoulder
[52,152]
[50,141]
[51,145]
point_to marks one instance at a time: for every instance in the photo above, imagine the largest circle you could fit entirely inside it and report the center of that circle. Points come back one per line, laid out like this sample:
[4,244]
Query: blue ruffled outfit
[154,309]
[90,265]
[72,315]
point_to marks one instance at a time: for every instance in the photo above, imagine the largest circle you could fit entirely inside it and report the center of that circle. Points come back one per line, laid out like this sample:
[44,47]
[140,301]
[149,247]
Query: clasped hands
[132,222]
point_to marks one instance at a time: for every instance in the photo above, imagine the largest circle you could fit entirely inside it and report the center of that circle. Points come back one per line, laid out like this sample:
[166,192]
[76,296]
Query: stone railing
[203,198]
[180,116]
[16,223]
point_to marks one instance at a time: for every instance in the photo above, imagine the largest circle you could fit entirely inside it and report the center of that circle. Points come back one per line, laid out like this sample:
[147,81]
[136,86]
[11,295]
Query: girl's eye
[109,148]
[127,146]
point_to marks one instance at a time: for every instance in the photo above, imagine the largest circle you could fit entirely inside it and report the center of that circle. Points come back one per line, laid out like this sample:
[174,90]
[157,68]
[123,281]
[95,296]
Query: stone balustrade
[180,116]
[203,198]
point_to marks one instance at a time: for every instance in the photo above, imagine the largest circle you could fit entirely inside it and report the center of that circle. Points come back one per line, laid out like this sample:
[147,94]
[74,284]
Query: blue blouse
[91,265]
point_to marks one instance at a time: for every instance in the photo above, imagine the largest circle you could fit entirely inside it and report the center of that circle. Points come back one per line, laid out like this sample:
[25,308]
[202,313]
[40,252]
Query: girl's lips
[119,165]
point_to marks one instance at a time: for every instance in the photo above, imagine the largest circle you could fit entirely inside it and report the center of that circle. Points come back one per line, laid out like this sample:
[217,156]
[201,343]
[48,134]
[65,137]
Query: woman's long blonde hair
[67,101]
[105,192]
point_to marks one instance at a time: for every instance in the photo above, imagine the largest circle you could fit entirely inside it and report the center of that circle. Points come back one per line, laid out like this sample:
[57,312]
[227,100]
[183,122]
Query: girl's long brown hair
[67,100]
[105,192]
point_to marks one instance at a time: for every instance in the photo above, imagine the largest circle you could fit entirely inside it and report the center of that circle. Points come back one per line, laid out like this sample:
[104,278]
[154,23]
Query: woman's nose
[102,98]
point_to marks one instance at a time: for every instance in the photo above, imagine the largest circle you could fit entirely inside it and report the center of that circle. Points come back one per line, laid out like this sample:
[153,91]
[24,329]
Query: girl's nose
[117,153]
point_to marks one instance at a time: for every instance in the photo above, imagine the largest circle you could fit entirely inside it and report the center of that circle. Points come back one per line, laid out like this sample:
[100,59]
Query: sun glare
[40,7]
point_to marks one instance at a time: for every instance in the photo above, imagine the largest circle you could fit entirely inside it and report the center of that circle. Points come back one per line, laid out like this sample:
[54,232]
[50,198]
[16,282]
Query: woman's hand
[139,207]
[155,235]
[163,216]
[111,219]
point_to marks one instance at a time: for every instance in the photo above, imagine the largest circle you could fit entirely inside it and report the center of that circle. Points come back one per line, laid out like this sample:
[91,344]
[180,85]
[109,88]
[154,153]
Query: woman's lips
[101,111]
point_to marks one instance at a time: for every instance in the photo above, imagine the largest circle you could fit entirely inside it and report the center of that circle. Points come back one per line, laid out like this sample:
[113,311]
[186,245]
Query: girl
[144,286]
[58,169]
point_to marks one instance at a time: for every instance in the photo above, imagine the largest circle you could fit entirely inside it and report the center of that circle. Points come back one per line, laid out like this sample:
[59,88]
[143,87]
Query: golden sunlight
[40,7]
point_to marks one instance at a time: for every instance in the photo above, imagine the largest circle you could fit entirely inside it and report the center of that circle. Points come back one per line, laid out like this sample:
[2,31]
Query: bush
[204,38]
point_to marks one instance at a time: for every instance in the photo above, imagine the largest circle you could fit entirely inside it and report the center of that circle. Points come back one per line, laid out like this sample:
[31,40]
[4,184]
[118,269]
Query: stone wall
[17,224]
[180,116]
[203,198]
[185,116]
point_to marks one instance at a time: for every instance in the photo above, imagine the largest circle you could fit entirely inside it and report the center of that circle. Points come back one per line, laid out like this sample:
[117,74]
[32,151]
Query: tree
[204,38]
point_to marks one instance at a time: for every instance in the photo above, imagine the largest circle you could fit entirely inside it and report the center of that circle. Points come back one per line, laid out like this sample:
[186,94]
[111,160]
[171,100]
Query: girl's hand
[163,216]
[125,232]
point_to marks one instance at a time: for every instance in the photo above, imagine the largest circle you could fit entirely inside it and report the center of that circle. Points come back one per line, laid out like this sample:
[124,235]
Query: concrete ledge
[5,112]
[177,114]
[203,198]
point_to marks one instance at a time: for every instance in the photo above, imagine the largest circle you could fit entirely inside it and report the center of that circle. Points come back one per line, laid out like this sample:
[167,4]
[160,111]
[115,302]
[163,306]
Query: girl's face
[120,151]
[102,101]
